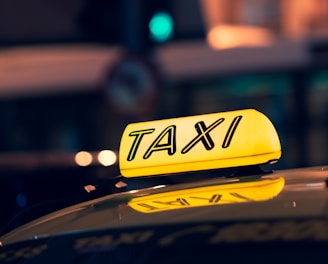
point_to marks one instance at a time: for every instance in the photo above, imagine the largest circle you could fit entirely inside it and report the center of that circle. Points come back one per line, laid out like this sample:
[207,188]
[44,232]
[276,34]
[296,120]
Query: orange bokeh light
[231,36]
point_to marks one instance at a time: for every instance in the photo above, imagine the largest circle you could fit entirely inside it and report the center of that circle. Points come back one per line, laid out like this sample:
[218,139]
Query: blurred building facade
[54,84]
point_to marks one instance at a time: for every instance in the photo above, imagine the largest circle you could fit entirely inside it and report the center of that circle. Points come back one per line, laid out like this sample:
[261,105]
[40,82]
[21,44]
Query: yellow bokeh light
[107,157]
[83,158]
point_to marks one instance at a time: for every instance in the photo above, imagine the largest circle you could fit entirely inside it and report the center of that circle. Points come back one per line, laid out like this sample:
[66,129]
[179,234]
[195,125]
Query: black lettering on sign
[178,201]
[150,207]
[169,145]
[167,138]
[138,137]
[203,136]
[231,131]
[237,195]
[214,199]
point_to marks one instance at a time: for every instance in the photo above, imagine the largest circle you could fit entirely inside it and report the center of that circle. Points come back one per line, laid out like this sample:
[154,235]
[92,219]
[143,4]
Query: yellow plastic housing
[209,141]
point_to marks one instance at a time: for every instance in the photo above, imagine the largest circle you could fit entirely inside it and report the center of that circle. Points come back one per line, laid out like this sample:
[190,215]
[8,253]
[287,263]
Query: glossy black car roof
[296,214]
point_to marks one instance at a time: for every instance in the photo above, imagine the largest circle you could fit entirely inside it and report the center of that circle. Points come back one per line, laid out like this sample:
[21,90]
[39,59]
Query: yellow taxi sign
[202,142]
[261,189]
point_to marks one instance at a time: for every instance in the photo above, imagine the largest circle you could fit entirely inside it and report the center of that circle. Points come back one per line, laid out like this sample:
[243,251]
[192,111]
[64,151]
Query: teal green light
[161,27]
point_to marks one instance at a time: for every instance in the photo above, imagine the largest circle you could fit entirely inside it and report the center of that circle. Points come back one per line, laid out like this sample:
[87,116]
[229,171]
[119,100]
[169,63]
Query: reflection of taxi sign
[210,141]
[261,189]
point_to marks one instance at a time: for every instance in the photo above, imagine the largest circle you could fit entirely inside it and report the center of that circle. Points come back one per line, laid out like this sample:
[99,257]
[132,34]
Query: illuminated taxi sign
[210,141]
[239,192]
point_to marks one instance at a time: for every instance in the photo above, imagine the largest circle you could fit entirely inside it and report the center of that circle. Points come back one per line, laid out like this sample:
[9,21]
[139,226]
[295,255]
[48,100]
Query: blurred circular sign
[132,85]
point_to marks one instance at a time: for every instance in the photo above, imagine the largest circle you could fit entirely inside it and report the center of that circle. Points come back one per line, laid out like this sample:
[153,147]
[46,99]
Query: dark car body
[291,226]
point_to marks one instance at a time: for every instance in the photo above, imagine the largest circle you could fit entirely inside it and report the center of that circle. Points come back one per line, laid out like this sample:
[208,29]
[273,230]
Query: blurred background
[73,73]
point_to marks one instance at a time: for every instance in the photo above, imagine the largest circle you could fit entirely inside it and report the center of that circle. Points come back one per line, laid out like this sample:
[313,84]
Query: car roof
[303,195]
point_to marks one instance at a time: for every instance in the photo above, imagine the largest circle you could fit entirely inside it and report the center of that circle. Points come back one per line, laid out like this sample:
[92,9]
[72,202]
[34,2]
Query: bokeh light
[83,158]
[107,157]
